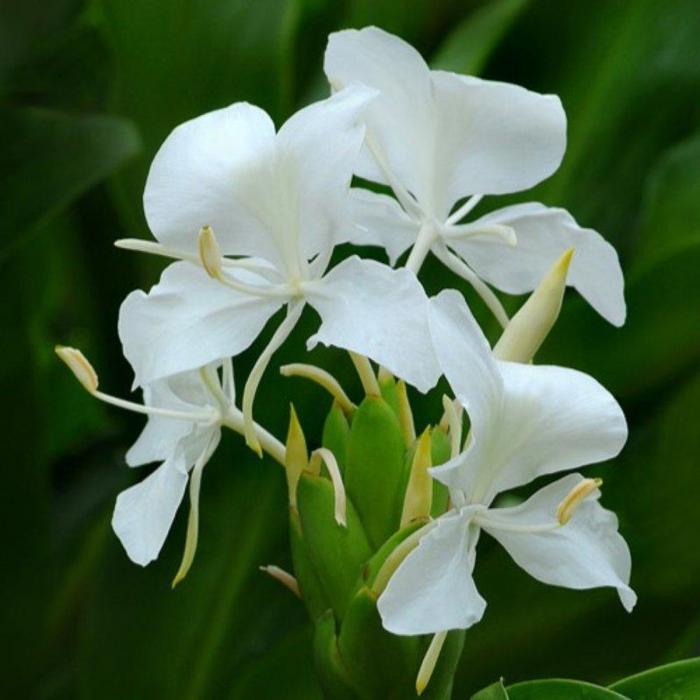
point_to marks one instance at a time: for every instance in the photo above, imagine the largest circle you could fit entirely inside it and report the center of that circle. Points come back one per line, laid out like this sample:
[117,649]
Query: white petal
[145,512]
[433,589]
[318,146]
[186,321]
[543,234]
[376,219]
[492,138]
[196,174]
[378,312]
[465,359]
[526,420]
[400,120]
[587,552]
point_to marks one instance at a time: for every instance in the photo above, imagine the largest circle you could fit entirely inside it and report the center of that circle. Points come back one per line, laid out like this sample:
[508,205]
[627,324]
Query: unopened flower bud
[79,365]
[528,329]
[419,492]
[296,456]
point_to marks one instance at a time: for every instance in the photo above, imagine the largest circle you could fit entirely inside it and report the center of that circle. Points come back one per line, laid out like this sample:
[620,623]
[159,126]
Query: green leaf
[560,690]
[676,681]
[337,553]
[376,470]
[496,691]
[469,45]
[71,152]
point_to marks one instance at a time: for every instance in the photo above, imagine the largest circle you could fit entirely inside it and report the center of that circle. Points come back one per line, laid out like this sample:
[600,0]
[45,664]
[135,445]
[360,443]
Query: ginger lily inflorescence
[385,513]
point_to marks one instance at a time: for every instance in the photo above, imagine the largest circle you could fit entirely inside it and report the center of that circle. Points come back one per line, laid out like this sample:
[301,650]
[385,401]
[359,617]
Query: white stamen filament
[426,237]
[460,268]
[269,443]
[284,577]
[294,310]
[464,209]
[489,521]
[366,374]
[430,661]
[322,378]
[323,453]
[192,535]
[229,385]
[206,416]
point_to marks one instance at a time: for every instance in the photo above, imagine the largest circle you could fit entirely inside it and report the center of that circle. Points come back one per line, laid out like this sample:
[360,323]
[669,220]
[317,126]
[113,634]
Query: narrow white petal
[433,589]
[587,552]
[492,138]
[186,321]
[145,512]
[543,234]
[378,312]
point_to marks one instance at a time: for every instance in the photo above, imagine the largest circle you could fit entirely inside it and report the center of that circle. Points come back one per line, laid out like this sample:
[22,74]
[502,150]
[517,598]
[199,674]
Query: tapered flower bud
[79,365]
[419,492]
[209,252]
[296,456]
[528,329]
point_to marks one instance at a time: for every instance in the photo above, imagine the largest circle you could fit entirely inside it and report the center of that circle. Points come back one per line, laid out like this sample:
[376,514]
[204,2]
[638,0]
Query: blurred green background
[89,91]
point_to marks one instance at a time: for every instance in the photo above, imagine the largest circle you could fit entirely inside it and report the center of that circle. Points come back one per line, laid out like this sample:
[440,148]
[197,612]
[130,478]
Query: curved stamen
[322,378]
[284,577]
[366,374]
[323,453]
[429,661]
[575,497]
[270,444]
[294,310]
[460,268]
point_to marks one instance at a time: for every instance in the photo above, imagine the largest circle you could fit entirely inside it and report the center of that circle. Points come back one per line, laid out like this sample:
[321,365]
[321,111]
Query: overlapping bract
[252,215]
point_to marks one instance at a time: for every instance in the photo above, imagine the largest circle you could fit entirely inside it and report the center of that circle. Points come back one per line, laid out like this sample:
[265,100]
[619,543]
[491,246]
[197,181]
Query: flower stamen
[576,496]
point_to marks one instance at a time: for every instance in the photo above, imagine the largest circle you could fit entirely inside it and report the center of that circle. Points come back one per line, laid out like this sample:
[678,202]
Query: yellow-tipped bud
[528,329]
[576,496]
[296,458]
[419,492]
[408,429]
[209,252]
[79,365]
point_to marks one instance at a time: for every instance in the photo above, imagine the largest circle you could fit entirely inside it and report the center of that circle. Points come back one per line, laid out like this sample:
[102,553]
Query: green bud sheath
[329,666]
[375,475]
[440,455]
[387,386]
[336,553]
[381,666]
[310,586]
[336,434]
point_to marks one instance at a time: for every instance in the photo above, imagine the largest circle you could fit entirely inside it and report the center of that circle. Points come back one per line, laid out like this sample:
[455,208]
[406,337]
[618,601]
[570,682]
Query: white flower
[435,138]
[279,199]
[526,421]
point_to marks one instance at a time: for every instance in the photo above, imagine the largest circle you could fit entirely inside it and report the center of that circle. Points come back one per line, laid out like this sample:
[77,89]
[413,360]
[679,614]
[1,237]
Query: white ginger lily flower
[279,199]
[437,137]
[526,421]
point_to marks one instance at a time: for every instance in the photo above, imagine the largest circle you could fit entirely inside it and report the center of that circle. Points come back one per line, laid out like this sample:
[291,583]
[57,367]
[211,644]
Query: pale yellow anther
[575,497]
[209,252]
[79,365]
[528,329]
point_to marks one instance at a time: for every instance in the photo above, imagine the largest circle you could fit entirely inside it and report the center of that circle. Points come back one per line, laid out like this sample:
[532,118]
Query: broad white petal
[492,138]
[543,234]
[465,358]
[376,219]
[433,589]
[186,321]
[379,312]
[587,552]
[318,148]
[196,174]
[552,419]
[145,512]
[400,120]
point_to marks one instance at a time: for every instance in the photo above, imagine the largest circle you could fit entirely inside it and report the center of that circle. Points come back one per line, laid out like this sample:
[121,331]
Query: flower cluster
[251,216]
